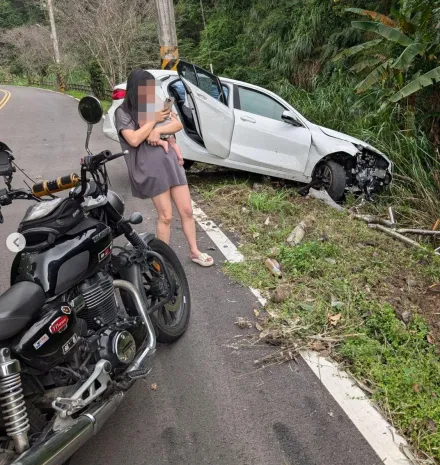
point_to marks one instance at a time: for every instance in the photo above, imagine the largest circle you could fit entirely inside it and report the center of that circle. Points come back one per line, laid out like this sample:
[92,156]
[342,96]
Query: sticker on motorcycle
[105,253]
[43,339]
[59,325]
[66,310]
[69,344]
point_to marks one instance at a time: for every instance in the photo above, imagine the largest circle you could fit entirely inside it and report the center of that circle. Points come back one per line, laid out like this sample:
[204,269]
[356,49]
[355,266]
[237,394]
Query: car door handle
[201,96]
[247,119]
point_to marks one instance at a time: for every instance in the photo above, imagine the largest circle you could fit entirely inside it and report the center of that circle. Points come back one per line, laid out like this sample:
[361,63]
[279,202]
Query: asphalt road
[211,406]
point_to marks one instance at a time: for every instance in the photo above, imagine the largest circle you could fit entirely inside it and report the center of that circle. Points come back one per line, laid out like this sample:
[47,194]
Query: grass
[348,286]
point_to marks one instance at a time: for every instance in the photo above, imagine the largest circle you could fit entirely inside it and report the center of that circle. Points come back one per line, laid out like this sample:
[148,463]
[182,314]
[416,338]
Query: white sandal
[203,260]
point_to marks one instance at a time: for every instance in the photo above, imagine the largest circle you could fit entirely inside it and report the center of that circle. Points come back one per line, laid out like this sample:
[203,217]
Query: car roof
[161,73]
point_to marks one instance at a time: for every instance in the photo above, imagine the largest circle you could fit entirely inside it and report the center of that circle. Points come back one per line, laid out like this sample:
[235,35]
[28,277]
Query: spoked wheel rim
[325,175]
[171,313]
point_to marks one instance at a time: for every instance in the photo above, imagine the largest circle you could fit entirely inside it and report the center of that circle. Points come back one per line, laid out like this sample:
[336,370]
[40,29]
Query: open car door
[213,117]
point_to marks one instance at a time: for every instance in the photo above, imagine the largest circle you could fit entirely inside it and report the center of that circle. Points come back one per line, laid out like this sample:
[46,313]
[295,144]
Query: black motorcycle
[79,324]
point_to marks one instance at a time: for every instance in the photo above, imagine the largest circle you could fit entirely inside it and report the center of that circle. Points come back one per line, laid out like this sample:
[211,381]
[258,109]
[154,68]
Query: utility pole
[166,31]
[53,36]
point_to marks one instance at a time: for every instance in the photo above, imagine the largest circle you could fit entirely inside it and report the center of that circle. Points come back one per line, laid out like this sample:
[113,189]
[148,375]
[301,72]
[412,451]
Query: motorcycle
[80,321]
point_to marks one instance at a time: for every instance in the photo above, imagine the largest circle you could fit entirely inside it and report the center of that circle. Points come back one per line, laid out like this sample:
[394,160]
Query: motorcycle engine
[107,328]
[101,307]
[118,347]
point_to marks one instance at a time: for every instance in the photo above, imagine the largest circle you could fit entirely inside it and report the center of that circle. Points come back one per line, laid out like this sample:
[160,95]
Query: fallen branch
[392,219]
[371,219]
[420,232]
[318,337]
[397,236]
[325,197]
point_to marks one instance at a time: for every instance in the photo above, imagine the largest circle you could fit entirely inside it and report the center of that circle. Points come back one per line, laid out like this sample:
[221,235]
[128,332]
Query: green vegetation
[354,293]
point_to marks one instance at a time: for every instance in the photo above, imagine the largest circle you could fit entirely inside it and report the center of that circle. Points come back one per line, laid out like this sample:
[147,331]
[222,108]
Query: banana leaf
[425,80]
[348,52]
[390,33]
[373,15]
[361,66]
[408,55]
[378,74]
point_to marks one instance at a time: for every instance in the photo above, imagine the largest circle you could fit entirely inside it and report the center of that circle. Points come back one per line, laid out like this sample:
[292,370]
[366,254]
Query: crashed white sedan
[238,125]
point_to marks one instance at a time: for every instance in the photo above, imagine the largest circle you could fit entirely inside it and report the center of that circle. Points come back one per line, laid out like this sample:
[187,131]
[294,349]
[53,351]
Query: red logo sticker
[59,325]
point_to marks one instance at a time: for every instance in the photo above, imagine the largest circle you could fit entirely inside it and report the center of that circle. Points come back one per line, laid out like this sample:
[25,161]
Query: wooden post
[166,31]
[53,35]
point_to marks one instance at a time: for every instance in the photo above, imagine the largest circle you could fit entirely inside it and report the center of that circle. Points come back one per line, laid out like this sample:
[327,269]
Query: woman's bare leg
[182,200]
[162,203]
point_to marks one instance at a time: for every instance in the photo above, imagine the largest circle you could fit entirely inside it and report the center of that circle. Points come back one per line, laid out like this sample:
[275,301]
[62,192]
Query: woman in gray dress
[153,172]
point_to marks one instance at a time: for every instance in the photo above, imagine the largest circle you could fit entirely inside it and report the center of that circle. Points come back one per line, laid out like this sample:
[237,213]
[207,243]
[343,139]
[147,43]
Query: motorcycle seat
[18,306]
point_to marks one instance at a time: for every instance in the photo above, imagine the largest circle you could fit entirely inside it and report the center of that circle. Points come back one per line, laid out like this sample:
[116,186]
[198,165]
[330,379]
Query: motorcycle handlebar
[62,183]
[93,161]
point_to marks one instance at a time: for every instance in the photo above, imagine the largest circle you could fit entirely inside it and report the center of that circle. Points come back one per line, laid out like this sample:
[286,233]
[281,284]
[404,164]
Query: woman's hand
[161,116]
[154,137]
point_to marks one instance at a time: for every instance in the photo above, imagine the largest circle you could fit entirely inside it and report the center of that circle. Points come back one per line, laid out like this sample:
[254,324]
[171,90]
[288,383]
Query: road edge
[47,90]
[390,446]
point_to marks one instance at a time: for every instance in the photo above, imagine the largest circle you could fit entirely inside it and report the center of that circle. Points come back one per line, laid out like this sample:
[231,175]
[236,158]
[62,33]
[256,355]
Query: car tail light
[118,94]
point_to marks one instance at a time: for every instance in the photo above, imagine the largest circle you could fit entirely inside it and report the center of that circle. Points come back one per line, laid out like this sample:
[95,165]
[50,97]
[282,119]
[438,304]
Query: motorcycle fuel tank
[76,255]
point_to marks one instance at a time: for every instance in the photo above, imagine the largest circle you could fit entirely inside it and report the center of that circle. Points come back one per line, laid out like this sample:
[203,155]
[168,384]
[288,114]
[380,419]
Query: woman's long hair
[130,104]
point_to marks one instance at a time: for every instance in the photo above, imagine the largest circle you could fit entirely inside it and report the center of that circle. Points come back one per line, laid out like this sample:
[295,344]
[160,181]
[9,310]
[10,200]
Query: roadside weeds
[346,291]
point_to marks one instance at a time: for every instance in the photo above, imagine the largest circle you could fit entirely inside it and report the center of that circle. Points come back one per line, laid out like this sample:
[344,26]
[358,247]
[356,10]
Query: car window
[180,89]
[204,80]
[215,92]
[259,104]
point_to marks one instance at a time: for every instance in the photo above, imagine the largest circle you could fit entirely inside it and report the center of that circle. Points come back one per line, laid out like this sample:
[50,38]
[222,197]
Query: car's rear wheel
[333,178]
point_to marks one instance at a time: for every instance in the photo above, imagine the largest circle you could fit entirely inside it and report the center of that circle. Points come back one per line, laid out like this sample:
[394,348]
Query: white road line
[223,243]
[381,436]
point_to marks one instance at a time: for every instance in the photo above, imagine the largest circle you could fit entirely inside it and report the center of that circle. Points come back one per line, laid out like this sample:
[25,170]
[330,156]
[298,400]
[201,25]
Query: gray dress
[152,171]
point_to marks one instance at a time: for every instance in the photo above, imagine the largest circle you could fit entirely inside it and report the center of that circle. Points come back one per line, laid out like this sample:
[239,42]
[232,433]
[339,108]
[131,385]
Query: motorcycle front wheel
[172,319]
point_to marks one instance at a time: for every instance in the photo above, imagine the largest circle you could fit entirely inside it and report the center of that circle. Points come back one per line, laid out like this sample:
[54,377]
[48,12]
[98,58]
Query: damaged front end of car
[369,172]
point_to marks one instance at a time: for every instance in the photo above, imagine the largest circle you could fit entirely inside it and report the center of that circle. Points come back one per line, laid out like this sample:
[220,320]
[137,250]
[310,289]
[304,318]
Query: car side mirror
[290,118]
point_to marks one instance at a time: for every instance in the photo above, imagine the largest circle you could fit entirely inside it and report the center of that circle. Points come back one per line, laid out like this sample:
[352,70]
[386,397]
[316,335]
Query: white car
[241,126]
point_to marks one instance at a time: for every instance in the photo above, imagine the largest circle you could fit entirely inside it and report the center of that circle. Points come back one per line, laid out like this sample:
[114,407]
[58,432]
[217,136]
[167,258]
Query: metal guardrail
[53,84]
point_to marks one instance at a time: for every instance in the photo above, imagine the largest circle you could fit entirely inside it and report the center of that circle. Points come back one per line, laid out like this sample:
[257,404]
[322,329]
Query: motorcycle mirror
[91,112]
[90,109]
[136,218]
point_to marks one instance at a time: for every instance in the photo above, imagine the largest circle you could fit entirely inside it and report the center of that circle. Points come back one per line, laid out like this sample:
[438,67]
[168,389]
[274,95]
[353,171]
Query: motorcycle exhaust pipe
[64,443]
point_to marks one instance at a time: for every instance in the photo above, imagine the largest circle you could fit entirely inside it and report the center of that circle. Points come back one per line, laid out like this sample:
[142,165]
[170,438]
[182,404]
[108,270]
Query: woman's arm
[136,137]
[171,128]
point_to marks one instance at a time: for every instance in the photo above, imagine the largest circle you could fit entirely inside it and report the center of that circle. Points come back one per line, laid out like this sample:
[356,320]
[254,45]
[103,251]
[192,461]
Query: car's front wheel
[187,164]
[333,178]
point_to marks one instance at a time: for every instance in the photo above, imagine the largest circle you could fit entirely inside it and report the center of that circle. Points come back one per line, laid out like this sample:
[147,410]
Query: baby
[167,140]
